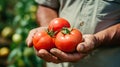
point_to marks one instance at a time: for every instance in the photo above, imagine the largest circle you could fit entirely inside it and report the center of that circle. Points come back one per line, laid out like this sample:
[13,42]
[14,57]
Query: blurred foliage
[17,18]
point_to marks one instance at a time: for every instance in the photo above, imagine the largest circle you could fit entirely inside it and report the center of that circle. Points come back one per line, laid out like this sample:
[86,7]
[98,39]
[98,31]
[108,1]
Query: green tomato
[28,52]
[21,63]
[17,38]
[7,32]
[33,8]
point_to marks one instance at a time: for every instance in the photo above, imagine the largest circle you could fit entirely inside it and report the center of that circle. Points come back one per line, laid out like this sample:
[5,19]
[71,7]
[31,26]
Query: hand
[88,44]
[31,34]
[57,56]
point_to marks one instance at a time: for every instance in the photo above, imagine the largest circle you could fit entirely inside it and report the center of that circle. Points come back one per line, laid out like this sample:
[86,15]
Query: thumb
[86,45]
[83,47]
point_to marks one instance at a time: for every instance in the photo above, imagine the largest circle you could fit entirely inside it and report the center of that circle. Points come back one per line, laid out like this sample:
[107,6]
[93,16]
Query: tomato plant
[42,40]
[58,23]
[68,39]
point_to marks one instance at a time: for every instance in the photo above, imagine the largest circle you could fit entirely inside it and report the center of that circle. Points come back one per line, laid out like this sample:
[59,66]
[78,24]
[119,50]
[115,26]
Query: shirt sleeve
[49,3]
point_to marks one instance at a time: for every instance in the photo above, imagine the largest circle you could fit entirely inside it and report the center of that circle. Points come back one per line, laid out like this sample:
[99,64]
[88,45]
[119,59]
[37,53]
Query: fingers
[65,57]
[44,54]
[87,45]
[58,56]
[29,38]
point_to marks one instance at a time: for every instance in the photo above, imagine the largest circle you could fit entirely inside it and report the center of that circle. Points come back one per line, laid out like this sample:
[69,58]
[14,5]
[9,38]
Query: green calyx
[66,30]
[51,32]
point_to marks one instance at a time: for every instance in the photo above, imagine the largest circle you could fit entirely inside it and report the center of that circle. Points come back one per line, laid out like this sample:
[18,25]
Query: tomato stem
[50,32]
[66,30]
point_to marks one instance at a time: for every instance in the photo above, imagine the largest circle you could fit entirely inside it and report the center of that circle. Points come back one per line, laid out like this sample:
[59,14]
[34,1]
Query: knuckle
[32,31]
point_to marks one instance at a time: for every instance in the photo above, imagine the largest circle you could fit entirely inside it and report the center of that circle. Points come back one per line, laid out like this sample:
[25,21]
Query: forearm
[109,36]
[45,15]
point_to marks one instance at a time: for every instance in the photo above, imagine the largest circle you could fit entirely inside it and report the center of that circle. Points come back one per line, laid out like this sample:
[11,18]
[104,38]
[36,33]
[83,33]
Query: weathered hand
[57,56]
[88,44]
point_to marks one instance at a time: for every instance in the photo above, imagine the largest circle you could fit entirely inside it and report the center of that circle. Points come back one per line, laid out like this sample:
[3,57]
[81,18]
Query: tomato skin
[68,42]
[42,40]
[58,23]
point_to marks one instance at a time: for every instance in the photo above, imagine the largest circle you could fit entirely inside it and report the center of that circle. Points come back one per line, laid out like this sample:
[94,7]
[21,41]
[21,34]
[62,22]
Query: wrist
[108,36]
[98,40]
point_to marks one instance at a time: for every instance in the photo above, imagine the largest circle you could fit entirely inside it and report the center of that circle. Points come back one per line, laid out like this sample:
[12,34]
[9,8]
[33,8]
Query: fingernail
[54,49]
[41,53]
[81,47]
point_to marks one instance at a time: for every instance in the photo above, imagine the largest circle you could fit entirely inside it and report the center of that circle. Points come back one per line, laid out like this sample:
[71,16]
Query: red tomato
[58,23]
[42,40]
[68,42]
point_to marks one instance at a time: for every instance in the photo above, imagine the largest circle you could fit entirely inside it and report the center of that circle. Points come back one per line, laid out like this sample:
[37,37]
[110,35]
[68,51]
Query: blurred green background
[17,18]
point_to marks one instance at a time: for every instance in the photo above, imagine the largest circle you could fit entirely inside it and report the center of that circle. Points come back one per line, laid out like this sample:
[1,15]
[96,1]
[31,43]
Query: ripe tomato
[68,42]
[58,23]
[42,40]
